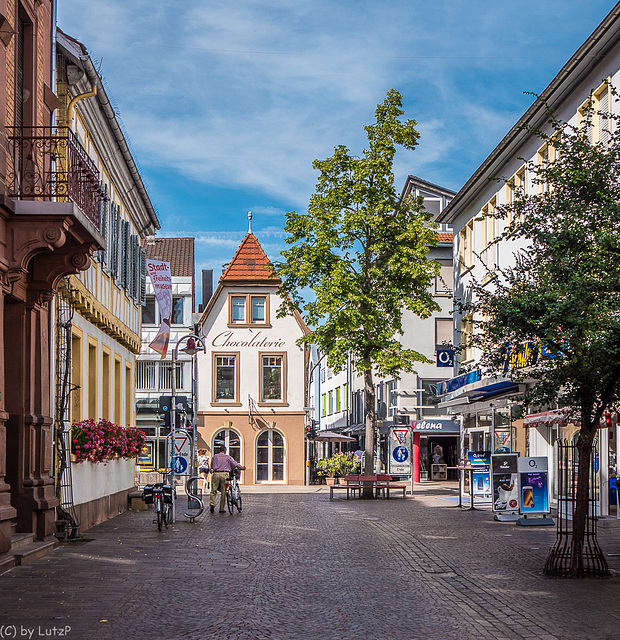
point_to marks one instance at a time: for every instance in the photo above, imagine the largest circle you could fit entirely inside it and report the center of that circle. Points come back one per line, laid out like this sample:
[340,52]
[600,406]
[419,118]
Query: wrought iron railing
[49,163]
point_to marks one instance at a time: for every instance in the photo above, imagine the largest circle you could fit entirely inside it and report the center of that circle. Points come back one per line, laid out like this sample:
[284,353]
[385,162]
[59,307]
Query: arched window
[270,456]
[231,440]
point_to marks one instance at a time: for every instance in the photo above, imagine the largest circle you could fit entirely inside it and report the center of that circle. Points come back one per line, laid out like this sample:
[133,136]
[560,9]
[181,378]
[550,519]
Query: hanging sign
[400,448]
[161,279]
[505,482]
[533,485]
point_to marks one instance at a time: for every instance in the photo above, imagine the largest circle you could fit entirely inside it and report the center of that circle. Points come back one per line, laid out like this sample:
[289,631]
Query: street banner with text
[161,278]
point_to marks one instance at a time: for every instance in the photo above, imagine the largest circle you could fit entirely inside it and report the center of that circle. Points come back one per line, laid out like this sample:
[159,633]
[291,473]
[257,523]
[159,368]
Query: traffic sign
[179,465]
[182,452]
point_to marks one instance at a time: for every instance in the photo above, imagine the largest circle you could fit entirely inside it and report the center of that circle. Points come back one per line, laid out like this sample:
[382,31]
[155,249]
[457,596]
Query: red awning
[546,418]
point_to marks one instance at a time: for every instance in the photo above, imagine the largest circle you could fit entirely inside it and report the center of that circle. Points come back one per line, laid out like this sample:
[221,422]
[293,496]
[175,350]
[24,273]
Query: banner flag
[159,272]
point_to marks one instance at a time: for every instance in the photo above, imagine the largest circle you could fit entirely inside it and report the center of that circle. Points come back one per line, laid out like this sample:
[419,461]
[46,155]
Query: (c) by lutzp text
[21,631]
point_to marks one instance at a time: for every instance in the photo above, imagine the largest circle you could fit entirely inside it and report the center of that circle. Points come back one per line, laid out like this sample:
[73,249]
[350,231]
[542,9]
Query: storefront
[436,446]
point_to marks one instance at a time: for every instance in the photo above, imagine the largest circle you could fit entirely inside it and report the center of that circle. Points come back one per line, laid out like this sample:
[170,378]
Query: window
[258,309]
[165,376]
[443,331]
[231,440]
[338,407]
[271,378]
[270,457]
[237,306]
[596,109]
[148,311]
[177,311]
[330,402]
[225,377]
[392,398]
[248,310]
[466,246]
[145,374]
[443,282]
[488,230]
[323,405]
[467,327]
[345,397]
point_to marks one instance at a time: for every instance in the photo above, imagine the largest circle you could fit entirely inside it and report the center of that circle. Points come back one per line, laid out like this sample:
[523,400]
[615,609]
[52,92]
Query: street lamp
[191,349]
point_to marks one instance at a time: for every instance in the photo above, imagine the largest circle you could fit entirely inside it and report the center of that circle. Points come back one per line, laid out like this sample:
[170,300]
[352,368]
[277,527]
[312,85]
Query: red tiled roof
[249,263]
[179,252]
[445,236]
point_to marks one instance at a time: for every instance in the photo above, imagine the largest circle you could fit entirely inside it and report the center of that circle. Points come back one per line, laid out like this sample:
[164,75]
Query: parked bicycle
[160,495]
[233,491]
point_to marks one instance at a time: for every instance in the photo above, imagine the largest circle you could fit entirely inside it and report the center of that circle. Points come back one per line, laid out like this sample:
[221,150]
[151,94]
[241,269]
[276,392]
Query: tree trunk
[370,415]
[582,496]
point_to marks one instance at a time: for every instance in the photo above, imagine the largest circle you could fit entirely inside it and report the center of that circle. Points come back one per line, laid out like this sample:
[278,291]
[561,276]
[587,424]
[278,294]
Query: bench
[384,484]
[380,484]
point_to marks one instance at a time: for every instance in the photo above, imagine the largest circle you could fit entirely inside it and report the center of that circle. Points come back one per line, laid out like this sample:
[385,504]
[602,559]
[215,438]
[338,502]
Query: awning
[546,418]
[332,436]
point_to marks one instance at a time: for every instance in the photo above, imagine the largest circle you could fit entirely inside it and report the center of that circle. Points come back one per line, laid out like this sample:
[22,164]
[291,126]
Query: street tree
[562,292]
[362,252]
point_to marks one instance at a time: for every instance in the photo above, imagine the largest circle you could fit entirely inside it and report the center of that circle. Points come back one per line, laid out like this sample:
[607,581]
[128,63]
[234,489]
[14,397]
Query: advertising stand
[505,485]
[533,492]
[481,475]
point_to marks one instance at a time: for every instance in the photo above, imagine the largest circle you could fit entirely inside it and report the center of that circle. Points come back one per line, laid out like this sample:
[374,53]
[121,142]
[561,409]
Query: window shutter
[103,216]
[142,276]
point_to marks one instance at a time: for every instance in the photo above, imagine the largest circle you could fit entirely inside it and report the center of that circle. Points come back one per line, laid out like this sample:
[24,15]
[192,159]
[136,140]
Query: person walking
[203,468]
[221,465]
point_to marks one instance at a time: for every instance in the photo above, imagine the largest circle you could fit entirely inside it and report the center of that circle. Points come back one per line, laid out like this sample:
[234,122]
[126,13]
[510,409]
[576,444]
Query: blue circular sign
[179,464]
[400,454]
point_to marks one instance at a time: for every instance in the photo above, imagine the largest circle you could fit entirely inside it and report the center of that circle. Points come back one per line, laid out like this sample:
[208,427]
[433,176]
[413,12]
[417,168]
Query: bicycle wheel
[160,514]
[166,515]
[238,500]
[229,499]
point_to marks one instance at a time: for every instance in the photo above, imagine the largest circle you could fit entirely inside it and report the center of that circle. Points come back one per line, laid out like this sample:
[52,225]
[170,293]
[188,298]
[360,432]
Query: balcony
[50,164]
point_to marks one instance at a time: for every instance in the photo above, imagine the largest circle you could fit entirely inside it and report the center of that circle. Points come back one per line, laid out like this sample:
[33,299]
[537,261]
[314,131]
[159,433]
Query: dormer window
[237,307]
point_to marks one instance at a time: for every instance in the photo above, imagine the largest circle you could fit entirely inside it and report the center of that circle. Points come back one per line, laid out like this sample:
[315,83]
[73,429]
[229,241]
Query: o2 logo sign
[445,358]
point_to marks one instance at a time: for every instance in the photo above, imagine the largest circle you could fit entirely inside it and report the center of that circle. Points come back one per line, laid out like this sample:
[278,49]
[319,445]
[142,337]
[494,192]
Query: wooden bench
[384,484]
[380,485]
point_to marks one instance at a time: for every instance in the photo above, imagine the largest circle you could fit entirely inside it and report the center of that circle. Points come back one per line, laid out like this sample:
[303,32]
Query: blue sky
[227,104]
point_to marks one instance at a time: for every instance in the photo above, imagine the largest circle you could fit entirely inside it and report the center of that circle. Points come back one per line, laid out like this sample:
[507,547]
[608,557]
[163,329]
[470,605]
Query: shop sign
[533,485]
[400,447]
[447,386]
[505,482]
[445,357]
[527,355]
[481,475]
[435,426]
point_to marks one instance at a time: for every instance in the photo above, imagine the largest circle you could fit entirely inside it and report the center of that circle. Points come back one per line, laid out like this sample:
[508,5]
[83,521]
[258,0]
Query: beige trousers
[218,483]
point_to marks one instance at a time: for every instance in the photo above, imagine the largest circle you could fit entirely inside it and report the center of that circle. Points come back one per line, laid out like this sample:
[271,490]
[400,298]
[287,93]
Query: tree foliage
[562,292]
[362,252]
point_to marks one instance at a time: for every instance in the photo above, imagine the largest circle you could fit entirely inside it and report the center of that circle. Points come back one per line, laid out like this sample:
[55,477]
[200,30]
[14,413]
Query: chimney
[207,286]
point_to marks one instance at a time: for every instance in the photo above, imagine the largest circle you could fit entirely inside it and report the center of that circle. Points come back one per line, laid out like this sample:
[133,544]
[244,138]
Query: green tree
[363,253]
[562,291]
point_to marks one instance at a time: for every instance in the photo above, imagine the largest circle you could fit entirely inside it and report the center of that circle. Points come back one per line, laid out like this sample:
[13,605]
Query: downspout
[71,107]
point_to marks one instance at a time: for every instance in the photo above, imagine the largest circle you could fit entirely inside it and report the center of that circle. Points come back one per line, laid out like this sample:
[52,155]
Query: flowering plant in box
[103,440]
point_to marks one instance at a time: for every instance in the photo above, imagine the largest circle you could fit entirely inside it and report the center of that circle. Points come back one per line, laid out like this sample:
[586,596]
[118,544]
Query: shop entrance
[437,454]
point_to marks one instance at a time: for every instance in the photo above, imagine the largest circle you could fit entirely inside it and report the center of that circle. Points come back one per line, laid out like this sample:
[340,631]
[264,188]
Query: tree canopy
[362,251]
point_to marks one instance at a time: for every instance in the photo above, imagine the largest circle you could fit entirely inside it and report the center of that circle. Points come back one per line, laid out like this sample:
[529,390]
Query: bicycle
[160,495]
[233,491]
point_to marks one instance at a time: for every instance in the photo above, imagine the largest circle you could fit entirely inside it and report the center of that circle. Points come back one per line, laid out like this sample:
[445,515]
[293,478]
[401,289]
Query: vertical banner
[533,487]
[400,451]
[481,461]
[161,278]
[505,482]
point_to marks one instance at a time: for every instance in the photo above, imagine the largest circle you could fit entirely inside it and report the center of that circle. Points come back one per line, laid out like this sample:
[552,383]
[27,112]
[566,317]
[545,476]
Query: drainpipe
[71,107]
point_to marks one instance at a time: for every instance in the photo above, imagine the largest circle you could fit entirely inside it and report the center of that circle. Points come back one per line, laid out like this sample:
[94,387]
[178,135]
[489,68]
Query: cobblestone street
[296,566]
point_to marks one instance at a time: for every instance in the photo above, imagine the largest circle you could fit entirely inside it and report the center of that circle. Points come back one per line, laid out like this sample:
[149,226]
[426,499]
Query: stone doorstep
[20,540]
[608,523]
[32,551]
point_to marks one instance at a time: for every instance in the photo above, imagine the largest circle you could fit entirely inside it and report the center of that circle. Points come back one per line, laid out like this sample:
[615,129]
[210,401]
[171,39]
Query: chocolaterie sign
[232,339]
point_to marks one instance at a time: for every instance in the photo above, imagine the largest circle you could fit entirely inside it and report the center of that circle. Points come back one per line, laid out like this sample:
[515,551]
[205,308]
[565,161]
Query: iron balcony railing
[49,163]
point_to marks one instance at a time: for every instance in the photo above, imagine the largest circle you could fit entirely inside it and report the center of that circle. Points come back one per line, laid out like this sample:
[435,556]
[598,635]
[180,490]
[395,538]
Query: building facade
[105,300]
[490,406]
[49,228]
[154,374]
[252,380]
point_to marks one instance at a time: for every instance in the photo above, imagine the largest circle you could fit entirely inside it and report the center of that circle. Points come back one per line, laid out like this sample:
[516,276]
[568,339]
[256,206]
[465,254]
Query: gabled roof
[249,264]
[179,252]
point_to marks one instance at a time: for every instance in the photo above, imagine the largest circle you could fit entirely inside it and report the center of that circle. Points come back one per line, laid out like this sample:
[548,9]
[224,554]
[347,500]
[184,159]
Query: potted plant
[325,468]
[337,466]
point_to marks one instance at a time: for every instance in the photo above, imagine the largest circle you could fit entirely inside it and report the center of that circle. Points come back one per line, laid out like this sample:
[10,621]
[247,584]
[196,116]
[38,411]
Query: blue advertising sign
[533,486]
[445,357]
[481,476]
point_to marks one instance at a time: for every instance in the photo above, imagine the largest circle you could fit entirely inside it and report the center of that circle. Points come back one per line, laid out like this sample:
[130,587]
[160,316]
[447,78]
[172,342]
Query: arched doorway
[270,455]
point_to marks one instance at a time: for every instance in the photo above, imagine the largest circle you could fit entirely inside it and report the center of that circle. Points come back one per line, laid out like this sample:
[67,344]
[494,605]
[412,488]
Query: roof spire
[250,221]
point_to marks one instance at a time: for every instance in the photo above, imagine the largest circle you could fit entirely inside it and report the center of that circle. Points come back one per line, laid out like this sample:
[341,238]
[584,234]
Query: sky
[226,104]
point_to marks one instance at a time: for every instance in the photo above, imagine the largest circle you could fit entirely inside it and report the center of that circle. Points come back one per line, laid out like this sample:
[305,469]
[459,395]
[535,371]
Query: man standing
[221,465]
